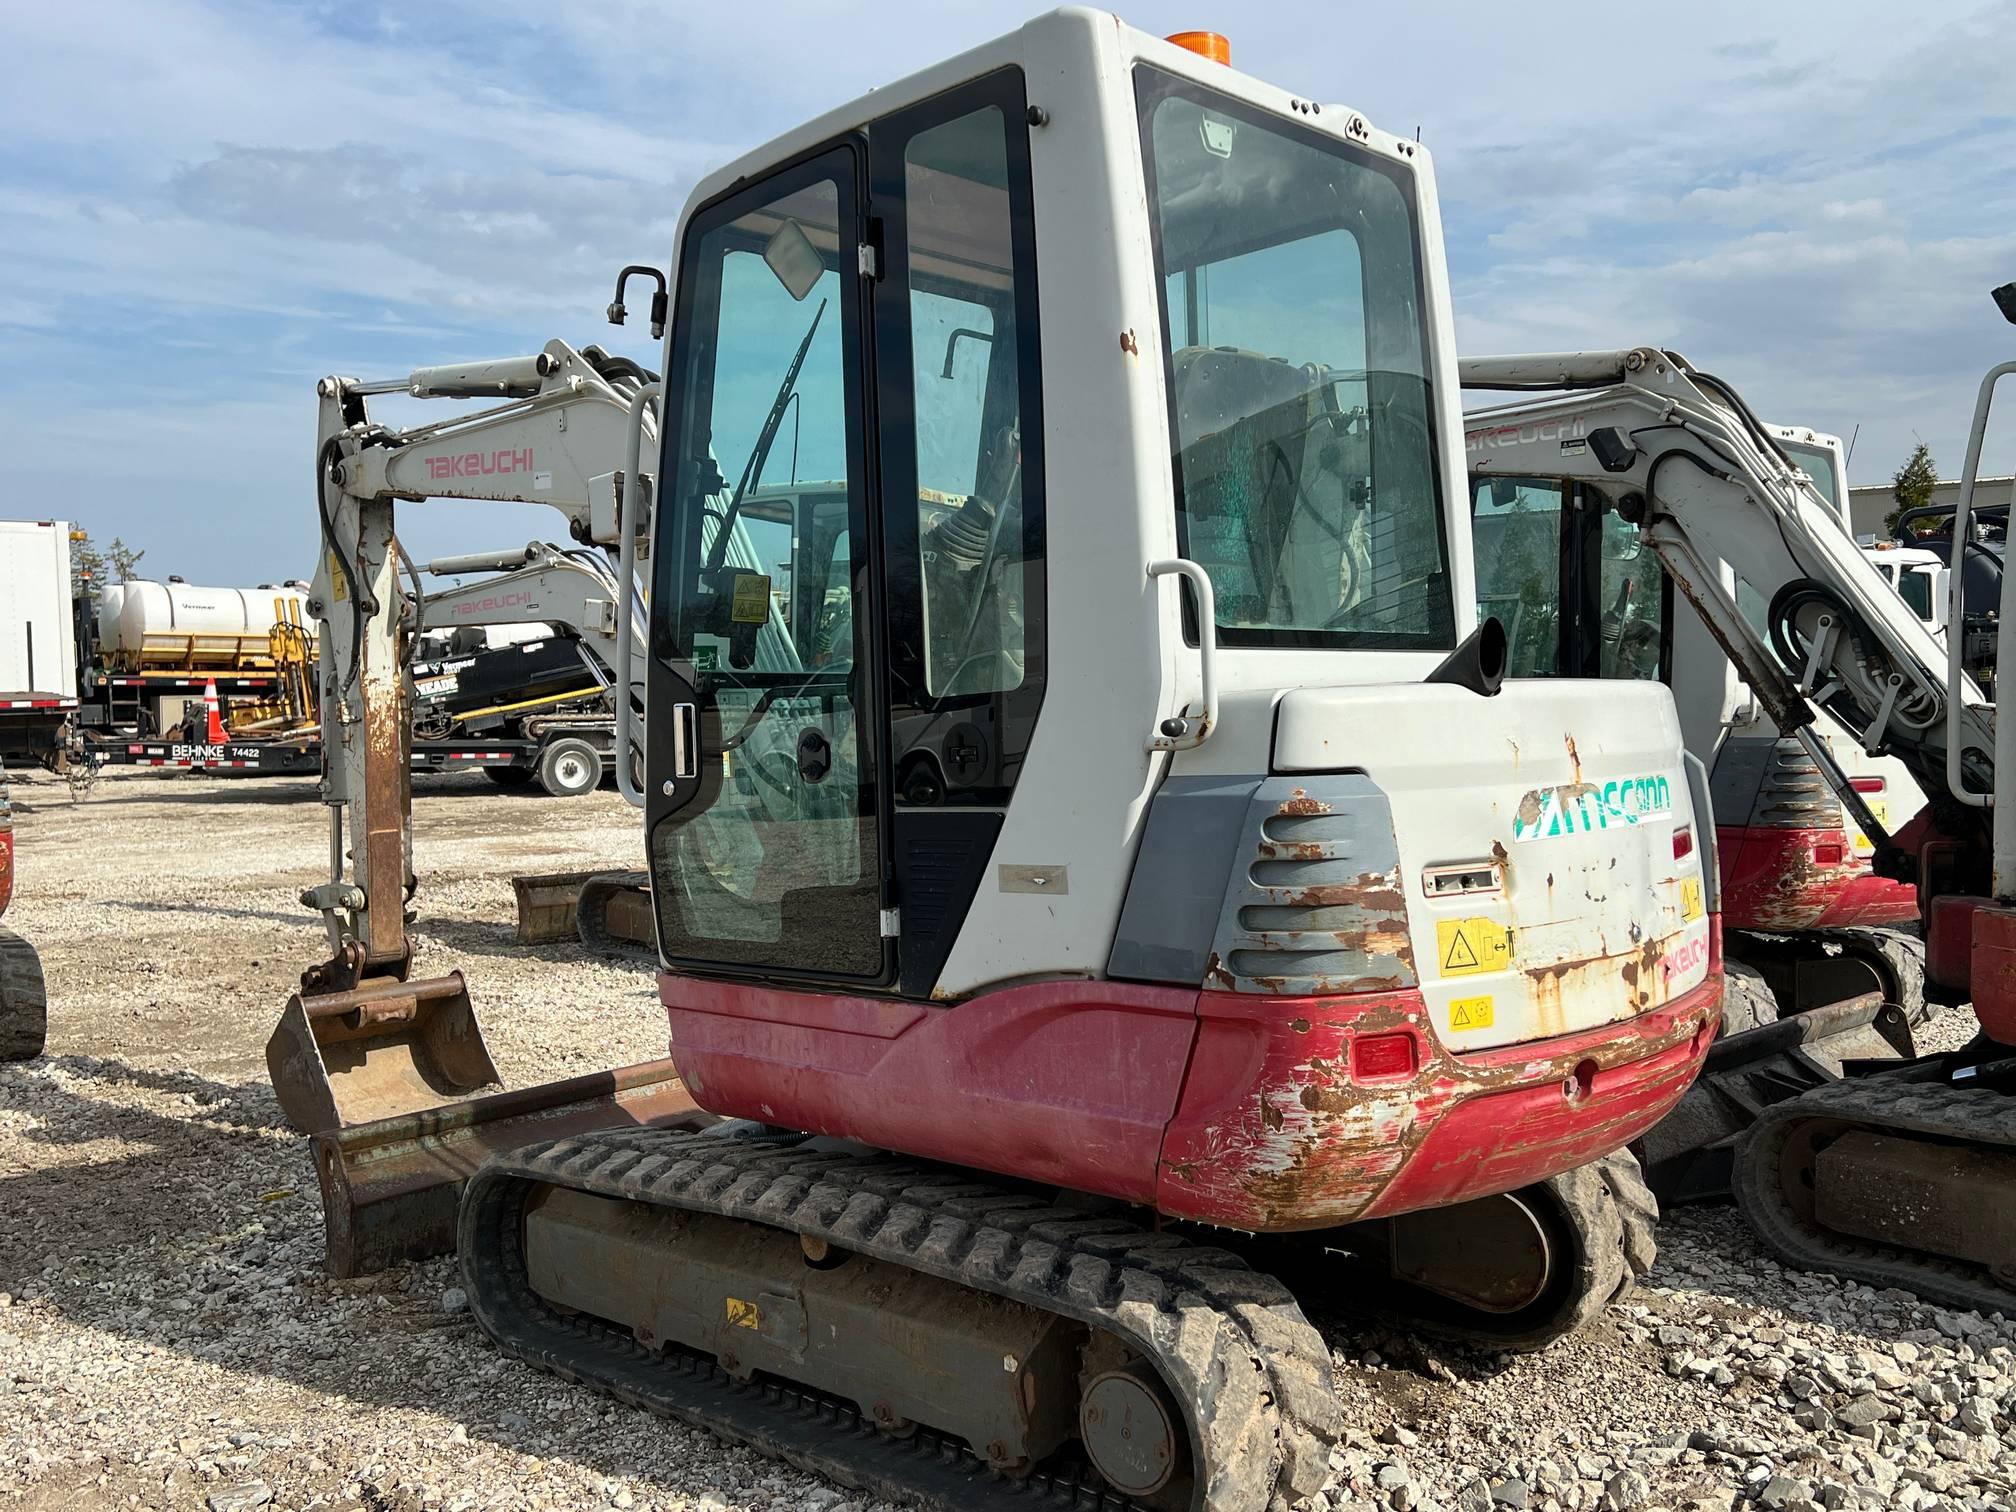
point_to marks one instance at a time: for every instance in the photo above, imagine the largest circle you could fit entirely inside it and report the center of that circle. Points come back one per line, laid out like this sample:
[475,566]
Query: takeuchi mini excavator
[1098,874]
[1902,1175]
[1810,927]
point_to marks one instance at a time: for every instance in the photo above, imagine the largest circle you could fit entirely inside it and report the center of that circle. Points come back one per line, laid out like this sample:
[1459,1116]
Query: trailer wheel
[570,767]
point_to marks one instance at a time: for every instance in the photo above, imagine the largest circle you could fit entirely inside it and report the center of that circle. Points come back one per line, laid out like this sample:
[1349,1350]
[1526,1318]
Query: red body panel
[1229,1108]
[1994,971]
[1774,878]
[1274,1135]
[1064,1082]
[6,867]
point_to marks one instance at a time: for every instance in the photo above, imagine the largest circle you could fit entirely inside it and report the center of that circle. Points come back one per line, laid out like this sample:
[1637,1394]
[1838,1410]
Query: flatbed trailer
[121,703]
[557,759]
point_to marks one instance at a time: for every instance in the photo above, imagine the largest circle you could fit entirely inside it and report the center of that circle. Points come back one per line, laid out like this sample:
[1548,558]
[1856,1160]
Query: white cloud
[1810,199]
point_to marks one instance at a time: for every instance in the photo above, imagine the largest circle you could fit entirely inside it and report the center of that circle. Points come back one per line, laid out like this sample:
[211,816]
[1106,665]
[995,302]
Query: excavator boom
[1882,1175]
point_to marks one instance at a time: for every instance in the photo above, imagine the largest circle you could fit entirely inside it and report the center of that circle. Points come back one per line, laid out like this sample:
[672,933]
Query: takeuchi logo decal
[1583,808]
[1525,435]
[481,464]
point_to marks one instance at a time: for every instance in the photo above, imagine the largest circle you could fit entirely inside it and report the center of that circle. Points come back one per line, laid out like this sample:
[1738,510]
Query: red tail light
[1868,784]
[1683,841]
[1382,1057]
[1829,853]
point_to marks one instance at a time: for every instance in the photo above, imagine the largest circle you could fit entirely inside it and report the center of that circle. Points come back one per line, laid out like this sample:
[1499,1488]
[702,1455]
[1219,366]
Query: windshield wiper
[773,422]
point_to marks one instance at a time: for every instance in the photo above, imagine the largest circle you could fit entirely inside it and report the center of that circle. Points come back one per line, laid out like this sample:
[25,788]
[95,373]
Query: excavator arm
[575,592]
[555,439]
[1677,451]
[388,1072]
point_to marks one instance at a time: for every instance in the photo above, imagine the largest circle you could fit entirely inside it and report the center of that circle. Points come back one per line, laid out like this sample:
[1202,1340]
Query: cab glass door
[766,845]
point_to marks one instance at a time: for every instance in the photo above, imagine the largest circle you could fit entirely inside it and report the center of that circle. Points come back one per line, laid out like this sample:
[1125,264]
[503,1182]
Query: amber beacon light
[1213,45]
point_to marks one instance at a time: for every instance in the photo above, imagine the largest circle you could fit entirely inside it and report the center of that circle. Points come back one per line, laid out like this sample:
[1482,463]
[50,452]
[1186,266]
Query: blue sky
[205,205]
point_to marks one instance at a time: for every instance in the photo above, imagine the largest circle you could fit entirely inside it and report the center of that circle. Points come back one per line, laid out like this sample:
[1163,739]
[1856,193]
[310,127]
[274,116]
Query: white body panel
[38,651]
[1570,792]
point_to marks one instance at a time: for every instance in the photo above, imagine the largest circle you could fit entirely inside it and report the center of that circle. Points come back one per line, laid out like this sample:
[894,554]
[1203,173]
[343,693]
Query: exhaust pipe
[1479,663]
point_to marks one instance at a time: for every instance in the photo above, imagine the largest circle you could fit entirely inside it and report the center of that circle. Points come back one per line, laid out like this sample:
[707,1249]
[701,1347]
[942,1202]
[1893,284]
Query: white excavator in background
[1900,1176]
[1809,928]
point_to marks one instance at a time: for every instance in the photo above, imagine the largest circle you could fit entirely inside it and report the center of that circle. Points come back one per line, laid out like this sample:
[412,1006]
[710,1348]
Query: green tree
[91,569]
[1912,484]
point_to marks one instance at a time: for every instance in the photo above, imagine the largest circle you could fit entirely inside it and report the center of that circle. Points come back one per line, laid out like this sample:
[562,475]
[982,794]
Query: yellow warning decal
[744,1314]
[751,605]
[1471,1013]
[1691,906]
[1880,812]
[1467,946]
[339,581]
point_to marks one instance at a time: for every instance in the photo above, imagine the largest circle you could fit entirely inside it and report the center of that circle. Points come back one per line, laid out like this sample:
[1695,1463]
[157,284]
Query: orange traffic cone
[215,731]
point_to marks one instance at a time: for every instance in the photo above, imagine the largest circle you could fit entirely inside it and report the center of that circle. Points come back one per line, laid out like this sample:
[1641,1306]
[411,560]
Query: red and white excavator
[1098,874]
[1901,1175]
[1809,926]
[1102,885]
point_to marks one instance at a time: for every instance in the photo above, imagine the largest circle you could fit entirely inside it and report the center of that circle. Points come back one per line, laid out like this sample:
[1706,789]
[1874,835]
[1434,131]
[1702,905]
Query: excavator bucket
[546,906]
[387,1047]
[394,1083]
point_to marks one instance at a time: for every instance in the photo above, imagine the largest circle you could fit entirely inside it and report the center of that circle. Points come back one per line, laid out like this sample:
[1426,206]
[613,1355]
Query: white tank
[177,624]
[110,597]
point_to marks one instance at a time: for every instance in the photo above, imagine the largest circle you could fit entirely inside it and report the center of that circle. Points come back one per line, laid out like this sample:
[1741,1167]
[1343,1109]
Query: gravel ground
[168,1337]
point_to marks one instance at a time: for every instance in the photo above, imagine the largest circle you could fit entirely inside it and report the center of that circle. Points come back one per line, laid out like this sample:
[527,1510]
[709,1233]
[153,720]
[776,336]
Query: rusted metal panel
[1780,878]
[1993,974]
[391,1188]
[1316,902]
[1274,1133]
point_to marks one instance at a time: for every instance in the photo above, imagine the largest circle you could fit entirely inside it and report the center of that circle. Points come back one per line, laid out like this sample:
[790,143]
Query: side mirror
[2005,301]
[794,259]
[1504,493]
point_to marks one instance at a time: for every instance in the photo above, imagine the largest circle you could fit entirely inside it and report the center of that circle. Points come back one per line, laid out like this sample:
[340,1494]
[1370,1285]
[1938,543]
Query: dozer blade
[546,905]
[614,914]
[391,1189]
[1688,1154]
[382,1049]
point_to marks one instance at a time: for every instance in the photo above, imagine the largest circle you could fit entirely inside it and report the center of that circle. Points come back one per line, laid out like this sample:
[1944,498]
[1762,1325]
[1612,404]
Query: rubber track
[1899,955]
[1886,1105]
[24,1000]
[1231,1342]
[591,913]
[1613,1215]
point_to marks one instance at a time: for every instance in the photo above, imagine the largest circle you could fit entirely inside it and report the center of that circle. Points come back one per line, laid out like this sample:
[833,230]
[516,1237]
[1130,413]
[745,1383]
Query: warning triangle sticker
[1460,954]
